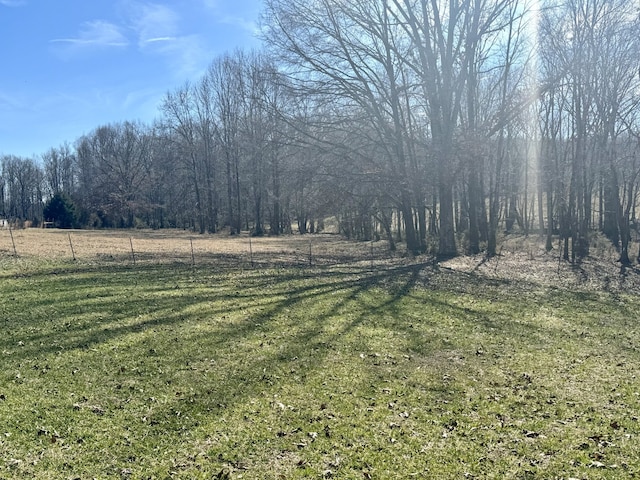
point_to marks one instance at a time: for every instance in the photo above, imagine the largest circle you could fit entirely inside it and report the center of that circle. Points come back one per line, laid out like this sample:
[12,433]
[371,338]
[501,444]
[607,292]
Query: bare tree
[594,44]
[23,187]
[116,162]
[59,168]
[224,76]
[206,127]
[350,53]
[180,118]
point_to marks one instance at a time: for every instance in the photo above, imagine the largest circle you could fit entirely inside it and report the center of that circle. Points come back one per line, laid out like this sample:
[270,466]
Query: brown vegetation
[522,261]
[169,246]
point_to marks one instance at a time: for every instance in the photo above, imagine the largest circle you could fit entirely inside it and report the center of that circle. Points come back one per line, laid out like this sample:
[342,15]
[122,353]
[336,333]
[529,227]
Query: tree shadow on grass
[94,305]
[198,317]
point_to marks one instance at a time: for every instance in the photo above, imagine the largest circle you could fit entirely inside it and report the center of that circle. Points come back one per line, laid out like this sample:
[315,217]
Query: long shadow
[258,298]
[286,286]
[163,306]
[101,292]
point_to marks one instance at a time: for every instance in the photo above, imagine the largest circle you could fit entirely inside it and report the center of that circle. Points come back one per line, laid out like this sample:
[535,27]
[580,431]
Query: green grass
[165,371]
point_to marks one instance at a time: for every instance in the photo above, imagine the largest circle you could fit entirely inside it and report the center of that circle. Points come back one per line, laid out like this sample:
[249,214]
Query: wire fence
[523,260]
[138,247]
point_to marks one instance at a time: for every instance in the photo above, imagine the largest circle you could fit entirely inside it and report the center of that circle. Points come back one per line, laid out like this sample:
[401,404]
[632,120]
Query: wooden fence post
[250,250]
[15,252]
[73,254]
[133,254]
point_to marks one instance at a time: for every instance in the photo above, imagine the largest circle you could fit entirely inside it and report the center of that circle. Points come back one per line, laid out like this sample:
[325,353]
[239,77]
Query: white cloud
[160,39]
[97,33]
[153,22]
[157,28]
[186,55]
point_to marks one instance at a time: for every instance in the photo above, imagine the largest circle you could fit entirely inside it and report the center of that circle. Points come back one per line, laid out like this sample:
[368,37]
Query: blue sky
[68,66]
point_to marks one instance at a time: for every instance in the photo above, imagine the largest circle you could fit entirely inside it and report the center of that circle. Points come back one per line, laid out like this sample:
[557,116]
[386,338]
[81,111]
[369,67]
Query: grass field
[404,370]
[177,246]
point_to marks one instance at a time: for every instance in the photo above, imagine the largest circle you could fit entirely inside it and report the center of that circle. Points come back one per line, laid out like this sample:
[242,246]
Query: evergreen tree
[61,210]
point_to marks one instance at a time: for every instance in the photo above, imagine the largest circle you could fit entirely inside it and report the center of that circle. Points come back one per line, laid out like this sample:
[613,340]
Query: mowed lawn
[170,371]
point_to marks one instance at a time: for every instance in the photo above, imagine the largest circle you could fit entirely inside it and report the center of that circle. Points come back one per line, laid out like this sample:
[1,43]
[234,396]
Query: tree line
[436,123]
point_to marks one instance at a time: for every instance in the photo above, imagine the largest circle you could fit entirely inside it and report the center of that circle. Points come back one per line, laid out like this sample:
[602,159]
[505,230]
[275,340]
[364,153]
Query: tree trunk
[447,239]
[474,206]
[411,237]
[550,223]
[230,217]
[611,202]
[385,220]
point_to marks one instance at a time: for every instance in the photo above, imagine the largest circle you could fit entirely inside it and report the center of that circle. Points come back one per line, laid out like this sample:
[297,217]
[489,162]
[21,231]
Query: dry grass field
[177,246]
[521,260]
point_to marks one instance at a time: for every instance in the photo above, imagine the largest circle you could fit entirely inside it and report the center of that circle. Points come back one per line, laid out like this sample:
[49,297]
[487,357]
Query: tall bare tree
[180,118]
[351,54]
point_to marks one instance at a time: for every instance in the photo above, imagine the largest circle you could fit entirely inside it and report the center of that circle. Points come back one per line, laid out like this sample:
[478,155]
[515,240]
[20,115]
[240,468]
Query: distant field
[165,246]
[506,368]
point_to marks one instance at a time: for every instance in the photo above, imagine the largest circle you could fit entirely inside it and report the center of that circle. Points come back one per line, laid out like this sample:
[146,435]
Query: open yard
[325,359]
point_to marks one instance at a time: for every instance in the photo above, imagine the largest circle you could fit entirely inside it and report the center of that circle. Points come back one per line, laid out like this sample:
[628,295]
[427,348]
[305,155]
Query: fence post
[193,258]
[73,254]
[250,250]
[133,254]
[13,242]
